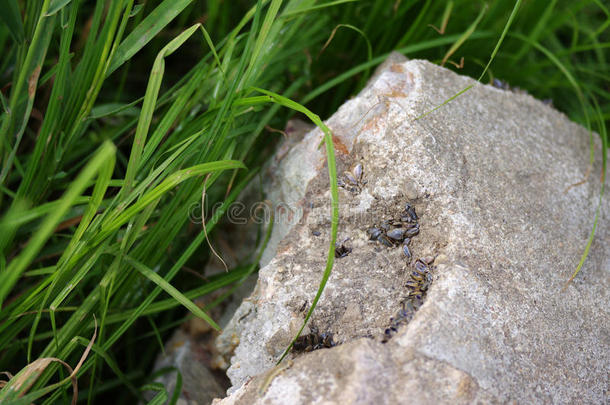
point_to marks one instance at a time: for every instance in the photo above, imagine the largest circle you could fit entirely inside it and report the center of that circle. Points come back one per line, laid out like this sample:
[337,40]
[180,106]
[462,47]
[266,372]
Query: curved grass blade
[582,102]
[566,72]
[359,31]
[161,397]
[14,392]
[334,193]
[538,28]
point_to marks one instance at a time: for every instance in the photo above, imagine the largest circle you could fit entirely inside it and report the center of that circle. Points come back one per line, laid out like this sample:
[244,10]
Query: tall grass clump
[118,115]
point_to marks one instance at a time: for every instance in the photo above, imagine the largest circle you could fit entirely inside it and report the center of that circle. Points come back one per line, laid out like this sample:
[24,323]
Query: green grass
[115,114]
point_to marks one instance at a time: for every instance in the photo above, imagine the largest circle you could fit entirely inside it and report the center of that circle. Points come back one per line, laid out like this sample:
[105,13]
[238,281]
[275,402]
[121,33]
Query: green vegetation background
[116,114]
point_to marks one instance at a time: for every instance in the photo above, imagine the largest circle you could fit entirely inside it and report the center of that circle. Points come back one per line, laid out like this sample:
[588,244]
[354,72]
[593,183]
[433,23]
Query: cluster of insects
[399,231]
[417,286]
[353,180]
[403,317]
[419,281]
[396,231]
[313,341]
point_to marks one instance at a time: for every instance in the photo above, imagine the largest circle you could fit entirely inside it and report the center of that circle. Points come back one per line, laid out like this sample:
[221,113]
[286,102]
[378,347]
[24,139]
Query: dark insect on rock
[350,178]
[397,234]
[374,233]
[358,172]
[409,233]
[386,241]
[342,251]
[421,267]
[405,249]
[313,341]
[428,260]
[353,180]
[316,233]
[500,84]
[410,211]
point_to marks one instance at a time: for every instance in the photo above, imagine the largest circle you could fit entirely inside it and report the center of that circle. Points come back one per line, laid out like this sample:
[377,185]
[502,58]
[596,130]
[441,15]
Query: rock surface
[490,177]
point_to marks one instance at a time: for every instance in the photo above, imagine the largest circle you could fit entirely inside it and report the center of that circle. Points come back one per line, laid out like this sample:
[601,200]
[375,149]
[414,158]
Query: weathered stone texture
[489,174]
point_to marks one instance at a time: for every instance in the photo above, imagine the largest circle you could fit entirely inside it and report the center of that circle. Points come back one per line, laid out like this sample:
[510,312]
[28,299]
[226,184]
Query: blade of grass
[444,19]
[604,138]
[491,58]
[334,192]
[24,90]
[538,28]
[376,61]
[148,106]
[171,290]
[12,18]
[56,5]
[464,37]
[261,39]
[19,264]
[309,9]
[170,182]
[513,15]
[162,15]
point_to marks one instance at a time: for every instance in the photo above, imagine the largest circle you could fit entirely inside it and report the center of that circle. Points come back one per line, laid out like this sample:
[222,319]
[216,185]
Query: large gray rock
[489,175]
